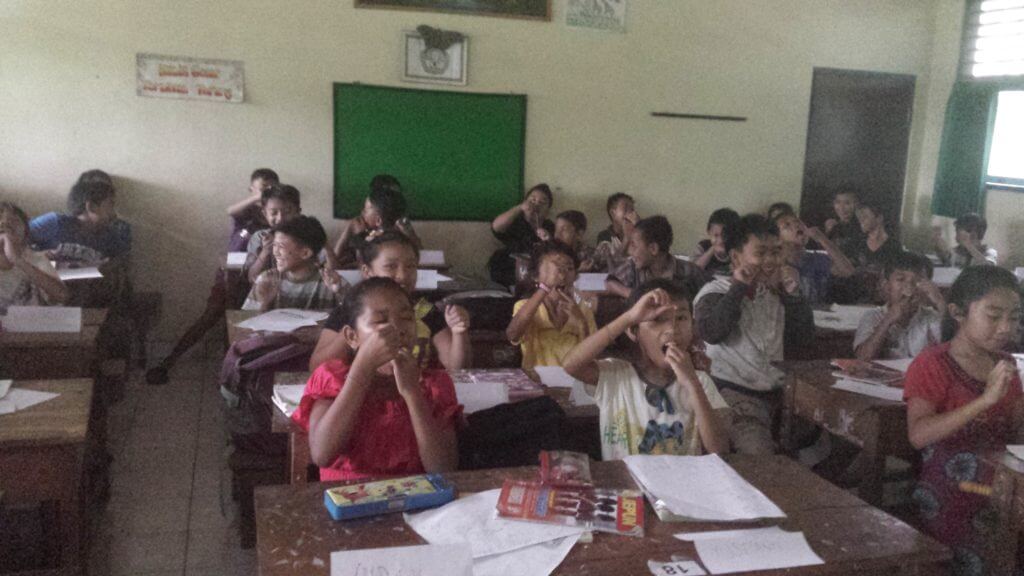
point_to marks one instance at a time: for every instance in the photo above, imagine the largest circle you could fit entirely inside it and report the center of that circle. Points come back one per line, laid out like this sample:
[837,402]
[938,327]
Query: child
[26,277]
[815,269]
[711,255]
[384,209]
[911,319]
[570,226]
[779,208]
[650,257]
[613,241]
[85,236]
[519,228]
[969,251]
[550,322]
[280,203]
[246,219]
[964,401]
[878,245]
[121,228]
[379,414]
[844,230]
[296,281]
[748,321]
[659,403]
[393,255]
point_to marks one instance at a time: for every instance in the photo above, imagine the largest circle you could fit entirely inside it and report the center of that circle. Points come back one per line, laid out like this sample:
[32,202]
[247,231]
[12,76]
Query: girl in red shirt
[964,400]
[379,414]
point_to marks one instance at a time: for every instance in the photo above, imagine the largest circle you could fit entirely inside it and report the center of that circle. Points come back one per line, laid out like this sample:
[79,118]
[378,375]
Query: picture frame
[521,9]
[423,65]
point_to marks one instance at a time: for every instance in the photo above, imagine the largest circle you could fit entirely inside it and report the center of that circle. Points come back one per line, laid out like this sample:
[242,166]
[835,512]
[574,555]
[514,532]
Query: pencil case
[386,496]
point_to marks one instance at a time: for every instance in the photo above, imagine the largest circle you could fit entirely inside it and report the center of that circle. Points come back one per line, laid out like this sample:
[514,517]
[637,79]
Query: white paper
[353,277]
[1019,273]
[944,276]
[683,257]
[287,397]
[675,568]
[474,520]
[591,282]
[579,396]
[537,560]
[283,320]
[718,534]
[700,487]
[555,376]
[841,318]
[5,385]
[874,390]
[431,257]
[428,279]
[901,364]
[71,274]
[236,260]
[748,553]
[20,399]
[42,319]
[428,560]
[1016,449]
[476,396]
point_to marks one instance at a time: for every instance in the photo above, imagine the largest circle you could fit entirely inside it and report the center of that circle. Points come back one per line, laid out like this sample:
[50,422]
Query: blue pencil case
[385,496]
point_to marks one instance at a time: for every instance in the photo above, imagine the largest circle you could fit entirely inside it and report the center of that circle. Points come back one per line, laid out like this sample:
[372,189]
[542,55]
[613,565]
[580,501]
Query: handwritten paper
[874,390]
[591,282]
[432,258]
[555,376]
[474,520]
[283,320]
[20,399]
[537,560]
[944,276]
[902,364]
[675,568]
[42,319]
[700,488]
[840,318]
[477,396]
[72,274]
[429,560]
[758,551]
[235,260]
[1016,449]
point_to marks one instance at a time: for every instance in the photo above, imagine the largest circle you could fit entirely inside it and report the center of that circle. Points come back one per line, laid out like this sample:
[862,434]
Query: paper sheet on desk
[42,319]
[756,550]
[579,395]
[944,276]
[591,282]
[71,274]
[700,487]
[283,320]
[428,560]
[902,364]
[476,396]
[20,399]
[432,258]
[474,520]
[428,279]
[287,397]
[874,390]
[841,318]
[1016,449]
[235,260]
[555,376]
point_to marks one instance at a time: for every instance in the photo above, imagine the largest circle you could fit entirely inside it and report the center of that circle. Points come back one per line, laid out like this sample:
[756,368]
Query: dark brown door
[857,138]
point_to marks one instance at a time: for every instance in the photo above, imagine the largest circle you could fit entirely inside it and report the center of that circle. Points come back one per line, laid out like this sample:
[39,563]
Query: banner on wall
[190,78]
[599,14]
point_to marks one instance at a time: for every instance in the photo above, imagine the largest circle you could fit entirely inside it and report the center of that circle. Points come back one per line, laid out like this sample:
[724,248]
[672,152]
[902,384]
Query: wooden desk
[1008,496]
[852,537]
[232,319]
[41,453]
[878,426]
[37,355]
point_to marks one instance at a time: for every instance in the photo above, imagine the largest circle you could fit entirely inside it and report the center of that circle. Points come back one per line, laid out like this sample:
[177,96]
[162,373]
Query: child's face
[640,250]
[991,322]
[618,212]
[566,233]
[11,225]
[556,271]
[869,221]
[383,308]
[277,211]
[371,215]
[539,201]
[844,204]
[258,185]
[965,238]
[102,213]
[902,284]
[672,327]
[290,254]
[395,261]
[759,254]
[792,230]
[716,234]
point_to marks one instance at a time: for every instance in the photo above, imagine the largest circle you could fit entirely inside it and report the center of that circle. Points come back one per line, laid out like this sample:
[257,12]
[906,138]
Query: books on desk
[482,389]
[870,378]
[42,319]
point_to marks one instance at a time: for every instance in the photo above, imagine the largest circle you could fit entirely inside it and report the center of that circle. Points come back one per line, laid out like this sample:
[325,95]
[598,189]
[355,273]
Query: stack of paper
[42,319]
[591,282]
[287,397]
[756,549]
[699,488]
[874,390]
[430,560]
[944,276]
[498,546]
[235,260]
[431,257]
[284,320]
[71,274]
[476,396]
[841,318]
[14,399]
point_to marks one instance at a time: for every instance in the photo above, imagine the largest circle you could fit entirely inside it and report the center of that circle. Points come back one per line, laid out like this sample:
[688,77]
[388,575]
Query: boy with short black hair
[384,209]
[650,256]
[816,269]
[711,255]
[570,226]
[84,235]
[296,281]
[613,242]
[969,251]
[280,203]
[247,214]
[910,320]
[749,321]
[844,229]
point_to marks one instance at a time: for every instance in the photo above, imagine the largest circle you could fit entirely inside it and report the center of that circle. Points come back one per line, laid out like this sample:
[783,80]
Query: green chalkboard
[458,155]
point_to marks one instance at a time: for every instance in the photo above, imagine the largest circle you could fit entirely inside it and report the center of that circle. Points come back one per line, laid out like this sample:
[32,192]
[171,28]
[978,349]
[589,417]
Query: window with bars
[993,42]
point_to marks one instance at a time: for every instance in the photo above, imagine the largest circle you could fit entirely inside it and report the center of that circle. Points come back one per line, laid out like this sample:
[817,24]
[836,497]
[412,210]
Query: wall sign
[599,14]
[179,77]
[432,64]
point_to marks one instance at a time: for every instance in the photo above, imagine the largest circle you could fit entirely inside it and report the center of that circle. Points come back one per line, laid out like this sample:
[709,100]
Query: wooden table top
[91,320]
[818,373]
[62,420]
[233,317]
[296,536]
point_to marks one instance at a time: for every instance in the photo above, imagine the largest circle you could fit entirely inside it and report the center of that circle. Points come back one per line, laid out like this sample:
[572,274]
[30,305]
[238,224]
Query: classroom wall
[68,103]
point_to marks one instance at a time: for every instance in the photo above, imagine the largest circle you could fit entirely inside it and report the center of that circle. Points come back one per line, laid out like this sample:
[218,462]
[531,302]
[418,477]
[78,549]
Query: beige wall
[68,103]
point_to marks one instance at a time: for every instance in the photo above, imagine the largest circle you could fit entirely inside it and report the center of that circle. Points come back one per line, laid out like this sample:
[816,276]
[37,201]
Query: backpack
[511,434]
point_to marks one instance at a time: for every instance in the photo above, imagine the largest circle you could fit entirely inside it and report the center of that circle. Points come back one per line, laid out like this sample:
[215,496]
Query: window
[1006,157]
[993,43]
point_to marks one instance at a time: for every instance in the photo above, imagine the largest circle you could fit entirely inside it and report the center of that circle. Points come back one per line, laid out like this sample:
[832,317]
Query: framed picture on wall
[433,65]
[529,9]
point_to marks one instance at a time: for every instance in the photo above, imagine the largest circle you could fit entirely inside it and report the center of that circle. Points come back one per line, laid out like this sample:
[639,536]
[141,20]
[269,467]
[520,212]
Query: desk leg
[787,442]
[298,457]
[1002,555]
[873,476]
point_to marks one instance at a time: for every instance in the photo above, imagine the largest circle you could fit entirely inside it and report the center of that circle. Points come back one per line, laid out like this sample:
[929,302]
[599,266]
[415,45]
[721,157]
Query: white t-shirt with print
[15,287]
[631,425]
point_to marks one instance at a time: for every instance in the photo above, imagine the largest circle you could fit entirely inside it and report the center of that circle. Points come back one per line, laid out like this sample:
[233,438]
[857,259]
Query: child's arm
[435,442]
[265,251]
[617,288]
[717,315]
[712,434]
[701,258]
[55,290]
[926,427]
[355,227]
[329,345]
[872,347]
[524,316]
[974,249]
[238,209]
[841,265]
[504,220]
[452,343]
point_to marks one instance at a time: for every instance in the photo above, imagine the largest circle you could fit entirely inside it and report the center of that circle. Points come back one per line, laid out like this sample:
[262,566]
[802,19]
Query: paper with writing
[71,274]
[428,560]
[874,390]
[749,553]
[675,568]
[42,319]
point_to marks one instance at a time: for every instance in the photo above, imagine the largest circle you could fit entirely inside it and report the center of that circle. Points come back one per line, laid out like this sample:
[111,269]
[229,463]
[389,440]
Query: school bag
[511,434]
